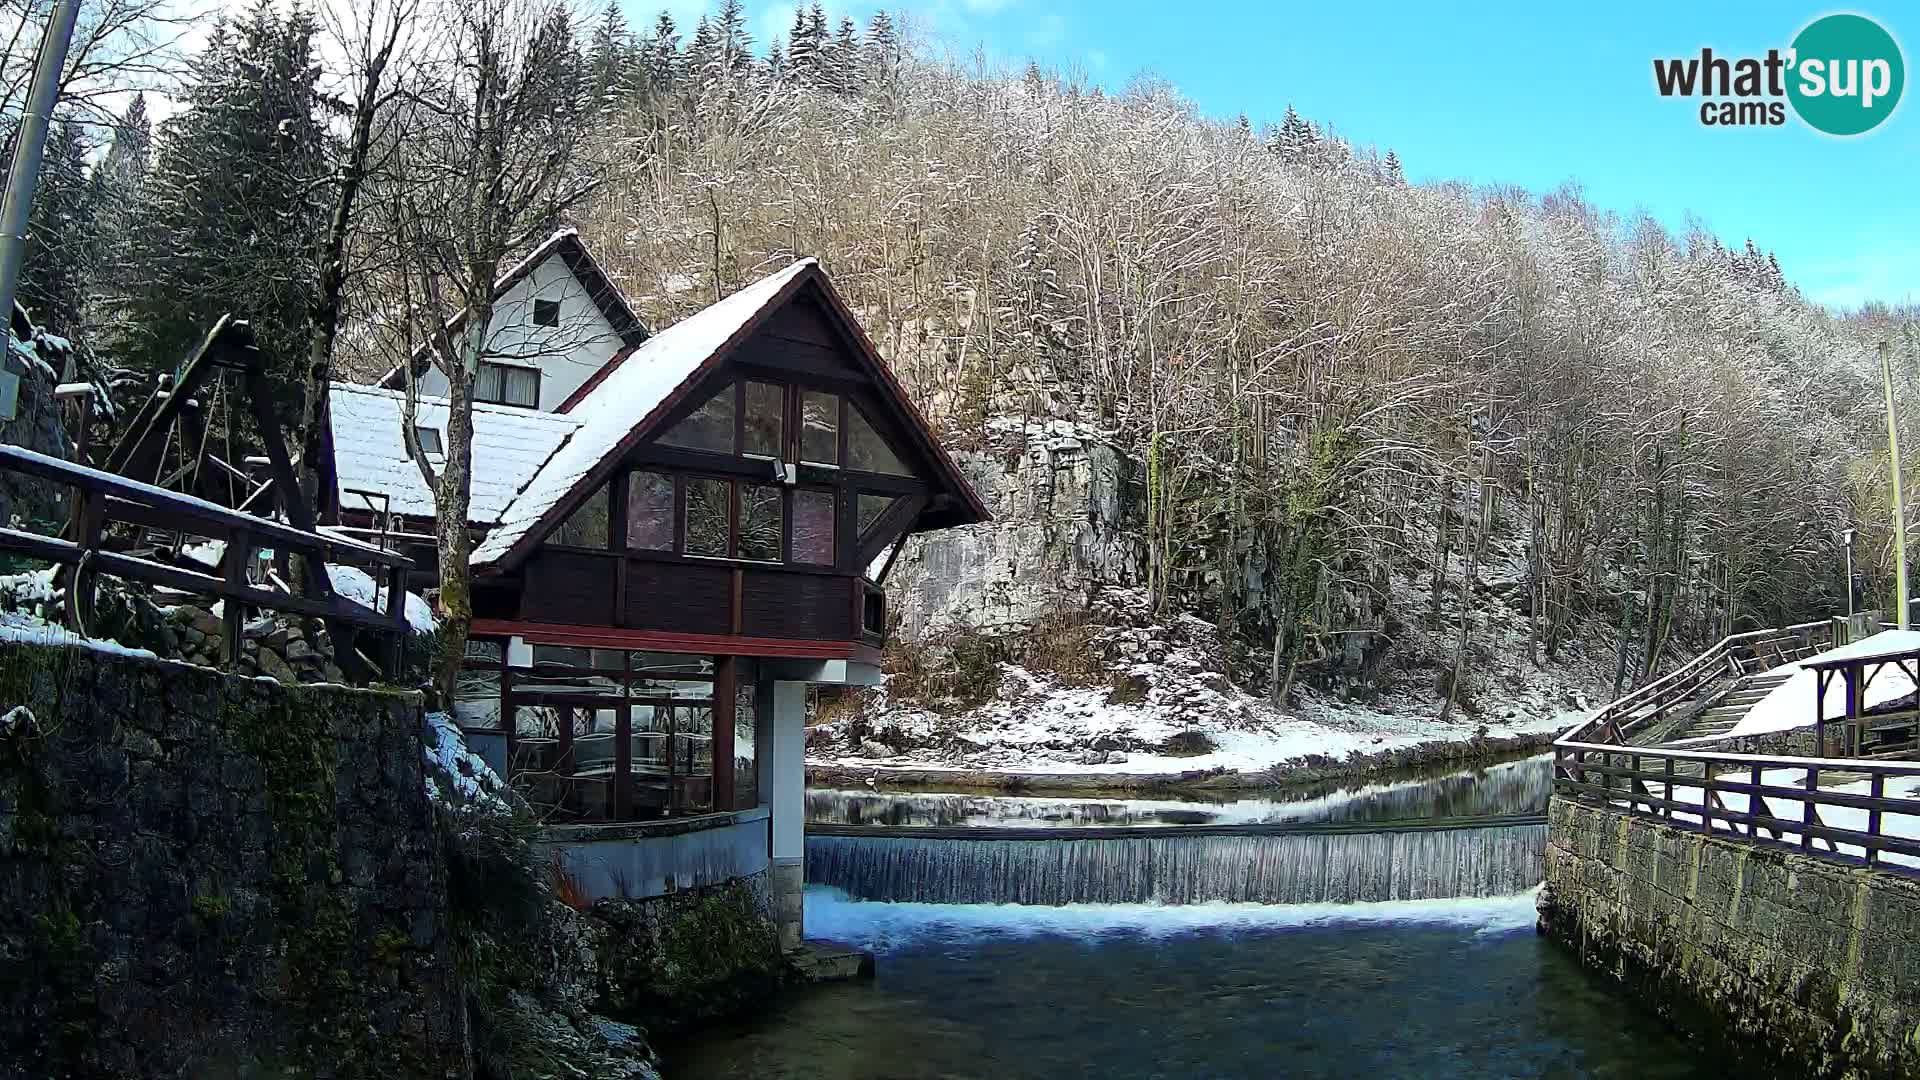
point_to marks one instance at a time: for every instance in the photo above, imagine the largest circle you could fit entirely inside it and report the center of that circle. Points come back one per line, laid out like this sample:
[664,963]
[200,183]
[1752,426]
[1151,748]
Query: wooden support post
[563,768]
[725,697]
[234,569]
[1877,792]
[623,746]
[1806,807]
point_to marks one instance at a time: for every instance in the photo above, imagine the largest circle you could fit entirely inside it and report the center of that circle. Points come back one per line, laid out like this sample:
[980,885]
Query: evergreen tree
[883,50]
[843,59]
[564,80]
[661,57]
[733,45]
[1296,138]
[776,59]
[1391,169]
[610,58]
[119,186]
[57,265]
[233,217]
[703,53]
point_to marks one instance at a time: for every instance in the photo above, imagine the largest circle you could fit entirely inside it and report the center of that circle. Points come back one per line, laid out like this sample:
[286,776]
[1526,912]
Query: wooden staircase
[1727,708]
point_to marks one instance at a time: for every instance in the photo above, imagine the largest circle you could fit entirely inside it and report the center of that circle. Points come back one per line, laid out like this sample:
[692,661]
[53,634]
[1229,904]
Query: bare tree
[496,155]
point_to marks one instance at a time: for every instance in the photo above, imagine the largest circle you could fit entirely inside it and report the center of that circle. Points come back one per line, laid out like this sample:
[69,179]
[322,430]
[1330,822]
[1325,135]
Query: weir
[1309,864]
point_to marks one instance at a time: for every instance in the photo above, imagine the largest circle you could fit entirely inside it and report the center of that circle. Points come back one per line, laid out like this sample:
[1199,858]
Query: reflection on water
[1509,788]
[1432,989]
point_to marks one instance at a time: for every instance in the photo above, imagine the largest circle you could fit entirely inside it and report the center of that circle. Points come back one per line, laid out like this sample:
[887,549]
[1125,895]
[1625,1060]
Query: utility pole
[24,175]
[1899,496]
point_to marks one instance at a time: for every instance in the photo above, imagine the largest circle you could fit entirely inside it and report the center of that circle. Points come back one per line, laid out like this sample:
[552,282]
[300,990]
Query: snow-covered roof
[624,401]
[509,446]
[1790,705]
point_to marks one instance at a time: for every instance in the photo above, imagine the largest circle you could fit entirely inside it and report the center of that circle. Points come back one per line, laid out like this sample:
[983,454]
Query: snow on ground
[1790,705]
[24,629]
[1037,725]
[357,585]
[1906,826]
[456,775]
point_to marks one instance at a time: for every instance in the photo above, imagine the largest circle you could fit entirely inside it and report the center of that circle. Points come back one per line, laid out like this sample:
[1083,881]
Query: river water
[1445,987]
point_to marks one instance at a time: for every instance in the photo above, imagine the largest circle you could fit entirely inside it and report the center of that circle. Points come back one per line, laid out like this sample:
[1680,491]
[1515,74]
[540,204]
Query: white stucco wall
[567,354]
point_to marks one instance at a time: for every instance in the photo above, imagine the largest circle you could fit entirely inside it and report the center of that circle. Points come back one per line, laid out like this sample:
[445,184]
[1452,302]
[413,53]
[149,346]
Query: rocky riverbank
[1297,772]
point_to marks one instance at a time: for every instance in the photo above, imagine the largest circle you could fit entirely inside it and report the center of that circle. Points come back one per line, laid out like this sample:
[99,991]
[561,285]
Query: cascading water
[1148,866]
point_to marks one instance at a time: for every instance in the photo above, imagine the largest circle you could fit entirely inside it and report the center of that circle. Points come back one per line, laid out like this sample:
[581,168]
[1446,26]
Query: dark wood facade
[754,541]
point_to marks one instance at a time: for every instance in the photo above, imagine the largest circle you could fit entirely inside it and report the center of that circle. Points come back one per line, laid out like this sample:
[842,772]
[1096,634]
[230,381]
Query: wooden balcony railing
[103,500]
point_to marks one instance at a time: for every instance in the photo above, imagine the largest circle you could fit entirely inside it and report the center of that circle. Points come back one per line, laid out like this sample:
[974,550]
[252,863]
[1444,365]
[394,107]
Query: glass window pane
[867,451]
[487,385]
[820,428]
[707,517]
[650,512]
[813,527]
[588,525]
[523,387]
[766,419]
[760,520]
[870,509]
[476,701]
[710,427]
[746,793]
[672,663]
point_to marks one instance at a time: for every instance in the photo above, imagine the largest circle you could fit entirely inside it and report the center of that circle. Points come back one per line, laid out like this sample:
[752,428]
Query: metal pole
[1847,538]
[1899,496]
[24,176]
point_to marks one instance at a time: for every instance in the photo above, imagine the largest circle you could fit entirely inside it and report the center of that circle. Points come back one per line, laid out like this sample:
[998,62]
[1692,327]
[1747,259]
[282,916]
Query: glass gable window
[760,522]
[870,509]
[819,428]
[766,428]
[649,511]
[710,427]
[867,451]
[587,527]
[706,528]
[813,527]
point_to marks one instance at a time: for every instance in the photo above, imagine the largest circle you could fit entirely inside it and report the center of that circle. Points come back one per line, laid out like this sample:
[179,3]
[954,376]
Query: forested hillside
[1335,383]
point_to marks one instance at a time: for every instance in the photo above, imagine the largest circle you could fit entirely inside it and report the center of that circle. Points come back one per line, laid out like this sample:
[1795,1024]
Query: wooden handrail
[102,498]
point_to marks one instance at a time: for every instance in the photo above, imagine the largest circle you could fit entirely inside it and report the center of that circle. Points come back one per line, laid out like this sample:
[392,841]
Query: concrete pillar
[788,781]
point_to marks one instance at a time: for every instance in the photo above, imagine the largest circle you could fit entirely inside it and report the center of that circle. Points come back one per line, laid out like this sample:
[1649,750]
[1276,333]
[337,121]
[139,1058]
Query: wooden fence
[1876,815]
[104,499]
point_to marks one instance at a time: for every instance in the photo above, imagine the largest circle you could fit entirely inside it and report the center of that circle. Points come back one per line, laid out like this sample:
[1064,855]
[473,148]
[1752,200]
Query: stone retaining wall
[211,876]
[1789,964]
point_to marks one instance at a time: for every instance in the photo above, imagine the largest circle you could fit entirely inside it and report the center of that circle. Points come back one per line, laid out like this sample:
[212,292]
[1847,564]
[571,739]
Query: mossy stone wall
[1785,964]
[211,876]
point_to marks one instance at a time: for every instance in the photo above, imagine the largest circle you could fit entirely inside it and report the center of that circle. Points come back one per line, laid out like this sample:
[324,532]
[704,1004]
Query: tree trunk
[456,488]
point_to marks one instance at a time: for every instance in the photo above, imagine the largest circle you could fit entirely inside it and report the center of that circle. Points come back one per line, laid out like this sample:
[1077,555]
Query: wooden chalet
[673,551]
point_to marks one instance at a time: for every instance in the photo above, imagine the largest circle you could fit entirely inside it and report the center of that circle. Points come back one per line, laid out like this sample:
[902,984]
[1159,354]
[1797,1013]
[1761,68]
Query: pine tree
[733,43]
[1391,169]
[610,58]
[843,64]
[661,57]
[883,51]
[776,59]
[57,265]
[119,186]
[803,54]
[702,59]
[233,218]
[1297,137]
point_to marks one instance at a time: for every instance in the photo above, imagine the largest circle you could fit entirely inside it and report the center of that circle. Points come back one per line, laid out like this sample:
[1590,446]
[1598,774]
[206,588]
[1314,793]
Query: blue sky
[1529,94]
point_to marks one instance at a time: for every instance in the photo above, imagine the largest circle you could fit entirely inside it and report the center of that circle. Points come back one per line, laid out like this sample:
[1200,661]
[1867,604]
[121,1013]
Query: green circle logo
[1847,74]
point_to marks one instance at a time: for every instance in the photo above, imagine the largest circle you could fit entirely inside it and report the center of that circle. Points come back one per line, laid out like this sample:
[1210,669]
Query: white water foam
[881,927]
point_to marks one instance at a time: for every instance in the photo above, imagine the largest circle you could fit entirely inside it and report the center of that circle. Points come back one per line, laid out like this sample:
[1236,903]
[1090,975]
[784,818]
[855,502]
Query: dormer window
[546,313]
[429,442]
